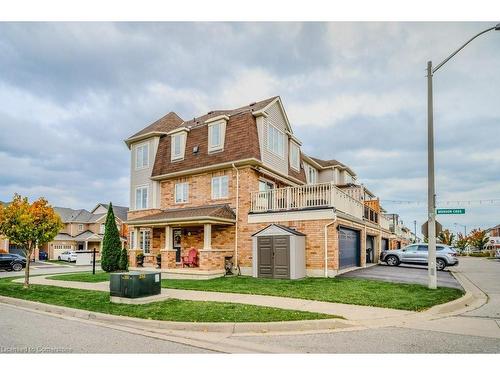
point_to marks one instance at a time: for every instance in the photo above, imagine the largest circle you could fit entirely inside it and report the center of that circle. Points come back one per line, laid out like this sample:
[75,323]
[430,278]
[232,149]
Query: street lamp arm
[462,47]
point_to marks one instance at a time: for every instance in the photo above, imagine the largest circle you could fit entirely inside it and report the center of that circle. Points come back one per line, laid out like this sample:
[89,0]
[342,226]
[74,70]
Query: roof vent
[252,104]
[196,149]
[210,112]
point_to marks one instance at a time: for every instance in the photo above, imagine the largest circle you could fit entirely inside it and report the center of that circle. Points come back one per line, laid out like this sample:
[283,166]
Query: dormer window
[142,156]
[294,156]
[275,141]
[178,145]
[216,133]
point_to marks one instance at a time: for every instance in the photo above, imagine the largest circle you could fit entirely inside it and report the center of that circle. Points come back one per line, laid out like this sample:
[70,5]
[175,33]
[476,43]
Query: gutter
[237,217]
[326,245]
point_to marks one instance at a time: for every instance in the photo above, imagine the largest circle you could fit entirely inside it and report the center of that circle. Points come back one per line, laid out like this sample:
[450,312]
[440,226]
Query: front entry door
[177,233]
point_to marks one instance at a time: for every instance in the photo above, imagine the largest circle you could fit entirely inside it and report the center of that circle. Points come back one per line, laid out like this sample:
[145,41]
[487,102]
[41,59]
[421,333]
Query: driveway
[411,274]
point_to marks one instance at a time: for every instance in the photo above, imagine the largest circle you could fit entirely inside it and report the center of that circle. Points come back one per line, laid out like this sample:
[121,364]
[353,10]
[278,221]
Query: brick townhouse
[216,182]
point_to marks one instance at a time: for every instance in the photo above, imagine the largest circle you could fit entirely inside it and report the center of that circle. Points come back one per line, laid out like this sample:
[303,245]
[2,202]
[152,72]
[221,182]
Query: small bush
[482,254]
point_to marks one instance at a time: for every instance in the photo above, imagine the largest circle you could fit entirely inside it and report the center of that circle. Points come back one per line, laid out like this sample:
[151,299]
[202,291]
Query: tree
[111,244]
[124,260]
[446,237]
[478,238]
[29,225]
[462,242]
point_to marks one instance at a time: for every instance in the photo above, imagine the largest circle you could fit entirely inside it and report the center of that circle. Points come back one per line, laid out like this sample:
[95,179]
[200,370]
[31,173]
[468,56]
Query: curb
[250,327]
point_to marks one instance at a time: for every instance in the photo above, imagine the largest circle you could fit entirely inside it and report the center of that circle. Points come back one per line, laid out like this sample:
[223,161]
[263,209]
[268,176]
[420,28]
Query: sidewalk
[350,312]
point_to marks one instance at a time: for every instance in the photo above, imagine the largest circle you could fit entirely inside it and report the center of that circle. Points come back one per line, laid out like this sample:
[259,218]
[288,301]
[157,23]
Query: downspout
[237,216]
[326,245]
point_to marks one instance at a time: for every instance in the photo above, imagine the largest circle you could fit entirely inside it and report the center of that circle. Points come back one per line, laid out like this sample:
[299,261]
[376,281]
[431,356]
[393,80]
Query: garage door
[15,249]
[273,254]
[348,248]
[59,249]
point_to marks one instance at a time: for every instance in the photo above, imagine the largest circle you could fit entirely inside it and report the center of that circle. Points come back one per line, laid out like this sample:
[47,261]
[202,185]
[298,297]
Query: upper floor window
[181,192]
[294,156]
[276,140]
[312,175]
[142,156]
[141,198]
[80,227]
[216,136]
[220,187]
[178,143]
[102,229]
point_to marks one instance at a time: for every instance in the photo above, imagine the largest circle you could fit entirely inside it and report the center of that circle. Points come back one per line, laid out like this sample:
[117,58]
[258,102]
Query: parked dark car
[12,262]
[42,255]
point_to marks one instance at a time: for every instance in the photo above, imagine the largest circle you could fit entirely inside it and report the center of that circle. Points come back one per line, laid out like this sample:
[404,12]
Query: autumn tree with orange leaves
[29,225]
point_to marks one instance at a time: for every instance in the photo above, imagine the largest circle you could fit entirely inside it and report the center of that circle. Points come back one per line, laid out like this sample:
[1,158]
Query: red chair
[191,260]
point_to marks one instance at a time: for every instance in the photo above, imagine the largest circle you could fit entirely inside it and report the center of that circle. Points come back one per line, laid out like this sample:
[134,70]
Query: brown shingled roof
[241,141]
[218,211]
[167,123]
[331,163]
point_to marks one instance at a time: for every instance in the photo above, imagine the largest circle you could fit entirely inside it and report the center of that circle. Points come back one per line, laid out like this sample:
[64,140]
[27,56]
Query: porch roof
[215,214]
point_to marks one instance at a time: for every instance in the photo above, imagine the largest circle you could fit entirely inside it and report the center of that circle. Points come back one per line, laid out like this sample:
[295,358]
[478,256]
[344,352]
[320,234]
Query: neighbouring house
[236,185]
[494,237]
[84,230]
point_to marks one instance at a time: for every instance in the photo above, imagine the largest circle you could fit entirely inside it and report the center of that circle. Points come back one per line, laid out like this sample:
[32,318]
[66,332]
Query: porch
[171,234]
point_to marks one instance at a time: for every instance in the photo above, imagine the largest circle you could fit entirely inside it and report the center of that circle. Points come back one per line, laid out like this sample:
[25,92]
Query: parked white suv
[67,256]
[418,253]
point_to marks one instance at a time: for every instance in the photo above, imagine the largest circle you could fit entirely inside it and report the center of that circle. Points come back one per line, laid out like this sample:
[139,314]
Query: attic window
[178,145]
[216,134]
[294,156]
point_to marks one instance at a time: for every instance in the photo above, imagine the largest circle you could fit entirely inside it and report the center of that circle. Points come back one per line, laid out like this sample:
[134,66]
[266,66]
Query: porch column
[136,238]
[168,237]
[207,237]
[86,245]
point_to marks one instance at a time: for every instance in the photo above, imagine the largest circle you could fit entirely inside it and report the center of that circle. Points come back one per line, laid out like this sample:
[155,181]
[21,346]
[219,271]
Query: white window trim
[180,156]
[147,197]
[295,166]
[219,147]
[80,227]
[143,242]
[187,193]
[136,148]
[269,126]
[220,187]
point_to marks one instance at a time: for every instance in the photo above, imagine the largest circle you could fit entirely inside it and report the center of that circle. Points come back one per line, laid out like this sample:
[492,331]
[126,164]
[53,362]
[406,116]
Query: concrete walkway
[349,312]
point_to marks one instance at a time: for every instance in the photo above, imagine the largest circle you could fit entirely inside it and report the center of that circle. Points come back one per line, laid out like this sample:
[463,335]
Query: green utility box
[134,284]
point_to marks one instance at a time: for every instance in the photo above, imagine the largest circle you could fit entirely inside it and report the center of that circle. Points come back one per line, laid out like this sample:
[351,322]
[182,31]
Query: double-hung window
[181,192]
[141,198]
[216,136]
[220,187]
[142,156]
[177,145]
[275,140]
[294,156]
[312,175]
[145,241]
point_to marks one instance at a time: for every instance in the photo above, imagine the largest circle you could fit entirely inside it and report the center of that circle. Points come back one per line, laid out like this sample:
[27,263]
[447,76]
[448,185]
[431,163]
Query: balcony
[304,197]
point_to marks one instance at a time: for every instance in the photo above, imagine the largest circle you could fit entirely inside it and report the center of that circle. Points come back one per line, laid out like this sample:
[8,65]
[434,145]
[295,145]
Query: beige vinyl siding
[326,175]
[270,159]
[141,177]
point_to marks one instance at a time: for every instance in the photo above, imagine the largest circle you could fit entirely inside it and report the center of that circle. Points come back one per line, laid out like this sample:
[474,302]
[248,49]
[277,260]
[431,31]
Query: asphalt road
[21,330]
[404,273]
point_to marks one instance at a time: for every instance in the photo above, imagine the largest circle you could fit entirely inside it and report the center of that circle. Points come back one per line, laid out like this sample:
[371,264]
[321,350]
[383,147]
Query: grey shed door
[348,248]
[273,257]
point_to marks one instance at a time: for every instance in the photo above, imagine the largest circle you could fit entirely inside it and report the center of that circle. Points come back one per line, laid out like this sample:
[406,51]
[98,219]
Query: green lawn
[351,291]
[171,310]
[83,277]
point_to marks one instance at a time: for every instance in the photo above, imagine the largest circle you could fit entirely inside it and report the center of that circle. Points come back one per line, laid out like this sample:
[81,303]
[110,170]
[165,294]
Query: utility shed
[279,252]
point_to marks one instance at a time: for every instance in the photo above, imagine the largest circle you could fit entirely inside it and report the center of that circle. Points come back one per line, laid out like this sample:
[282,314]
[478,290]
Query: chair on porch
[190,260]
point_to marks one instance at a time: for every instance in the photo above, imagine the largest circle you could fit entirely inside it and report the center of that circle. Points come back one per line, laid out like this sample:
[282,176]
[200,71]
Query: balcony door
[265,200]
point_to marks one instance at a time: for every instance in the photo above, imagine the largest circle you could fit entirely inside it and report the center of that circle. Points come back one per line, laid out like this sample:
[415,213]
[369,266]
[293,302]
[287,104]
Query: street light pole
[431,188]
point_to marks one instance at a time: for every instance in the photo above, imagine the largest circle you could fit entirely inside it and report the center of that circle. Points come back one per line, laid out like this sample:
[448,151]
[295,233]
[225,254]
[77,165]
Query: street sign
[425,229]
[450,211]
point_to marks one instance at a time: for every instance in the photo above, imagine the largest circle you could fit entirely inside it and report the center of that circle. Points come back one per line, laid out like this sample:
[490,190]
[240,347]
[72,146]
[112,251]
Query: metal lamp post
[431,189]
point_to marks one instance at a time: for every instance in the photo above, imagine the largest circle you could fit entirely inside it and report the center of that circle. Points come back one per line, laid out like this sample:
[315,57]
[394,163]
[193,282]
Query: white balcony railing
[304,197]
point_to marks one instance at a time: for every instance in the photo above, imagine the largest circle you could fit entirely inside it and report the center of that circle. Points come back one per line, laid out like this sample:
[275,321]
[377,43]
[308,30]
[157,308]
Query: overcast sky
[356,92]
